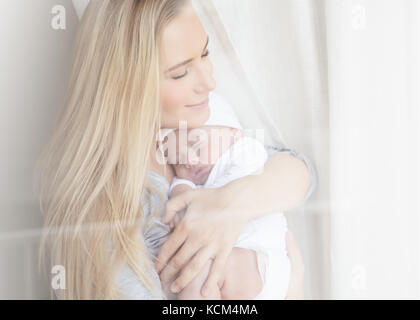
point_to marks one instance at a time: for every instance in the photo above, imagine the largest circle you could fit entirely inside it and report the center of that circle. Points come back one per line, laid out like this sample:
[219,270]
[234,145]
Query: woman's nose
[206,82]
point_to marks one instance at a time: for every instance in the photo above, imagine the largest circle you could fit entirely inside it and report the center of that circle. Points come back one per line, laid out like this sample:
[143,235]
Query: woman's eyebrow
[187,61]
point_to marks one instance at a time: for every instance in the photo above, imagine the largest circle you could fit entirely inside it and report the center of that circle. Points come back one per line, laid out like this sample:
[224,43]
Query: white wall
[373,63]
[33,70]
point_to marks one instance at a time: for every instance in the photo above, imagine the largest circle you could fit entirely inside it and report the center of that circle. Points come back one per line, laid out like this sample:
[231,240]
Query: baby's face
[202,149]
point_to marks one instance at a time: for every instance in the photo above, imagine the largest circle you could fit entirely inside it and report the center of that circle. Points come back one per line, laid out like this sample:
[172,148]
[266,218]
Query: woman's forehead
[182,39]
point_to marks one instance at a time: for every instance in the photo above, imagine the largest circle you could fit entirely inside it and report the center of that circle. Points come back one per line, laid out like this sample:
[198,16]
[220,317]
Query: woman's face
[187,77]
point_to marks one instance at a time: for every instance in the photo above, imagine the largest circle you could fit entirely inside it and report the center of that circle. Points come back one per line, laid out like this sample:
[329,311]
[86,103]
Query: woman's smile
[203,104]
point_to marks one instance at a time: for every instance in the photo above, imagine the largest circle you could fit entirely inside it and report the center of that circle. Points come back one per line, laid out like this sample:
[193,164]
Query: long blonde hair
[92,173]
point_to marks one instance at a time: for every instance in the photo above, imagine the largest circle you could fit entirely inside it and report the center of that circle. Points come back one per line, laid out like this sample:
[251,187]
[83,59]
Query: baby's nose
[193,159]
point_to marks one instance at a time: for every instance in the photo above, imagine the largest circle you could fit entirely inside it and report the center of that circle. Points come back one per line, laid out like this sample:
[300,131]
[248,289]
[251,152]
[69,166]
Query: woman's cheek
[177,92]
[173,100]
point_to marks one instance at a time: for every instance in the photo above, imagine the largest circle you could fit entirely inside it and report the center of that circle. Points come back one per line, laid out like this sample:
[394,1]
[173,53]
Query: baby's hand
[178,189]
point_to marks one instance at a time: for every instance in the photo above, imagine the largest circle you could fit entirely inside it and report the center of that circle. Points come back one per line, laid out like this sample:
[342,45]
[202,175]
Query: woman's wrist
[237,197]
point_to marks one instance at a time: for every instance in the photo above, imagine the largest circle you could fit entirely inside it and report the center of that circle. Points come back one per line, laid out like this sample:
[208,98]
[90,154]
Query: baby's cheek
[177,170]
[182,172]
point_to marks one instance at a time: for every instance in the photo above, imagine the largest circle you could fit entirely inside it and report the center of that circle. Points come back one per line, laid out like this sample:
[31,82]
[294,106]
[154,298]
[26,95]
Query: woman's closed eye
[182,76]
[186,72]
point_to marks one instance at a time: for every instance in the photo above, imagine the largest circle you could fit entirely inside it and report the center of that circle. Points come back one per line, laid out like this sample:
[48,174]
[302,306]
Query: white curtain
[373,80]
[340,80]
[276,50]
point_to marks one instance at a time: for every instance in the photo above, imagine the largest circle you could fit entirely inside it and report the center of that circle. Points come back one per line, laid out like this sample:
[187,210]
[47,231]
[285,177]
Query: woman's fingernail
[205,292]
[174,288]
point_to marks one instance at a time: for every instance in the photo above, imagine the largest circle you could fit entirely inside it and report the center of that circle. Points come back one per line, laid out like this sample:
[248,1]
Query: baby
[258,266]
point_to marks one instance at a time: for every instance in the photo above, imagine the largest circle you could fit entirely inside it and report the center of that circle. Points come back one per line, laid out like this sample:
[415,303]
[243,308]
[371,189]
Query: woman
[100,172]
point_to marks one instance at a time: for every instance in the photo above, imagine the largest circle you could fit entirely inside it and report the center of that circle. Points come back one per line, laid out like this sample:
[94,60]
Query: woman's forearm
[214,218]
[282,186]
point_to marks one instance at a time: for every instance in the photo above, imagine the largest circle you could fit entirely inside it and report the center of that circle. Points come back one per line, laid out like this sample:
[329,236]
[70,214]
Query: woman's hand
[208,230]
[296,288]
[177,217]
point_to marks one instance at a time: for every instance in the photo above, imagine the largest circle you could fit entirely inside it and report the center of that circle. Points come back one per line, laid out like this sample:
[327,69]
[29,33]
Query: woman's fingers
[178,218]
[176,204]
[216,273]
[191,270]
[178,261]
[171,245]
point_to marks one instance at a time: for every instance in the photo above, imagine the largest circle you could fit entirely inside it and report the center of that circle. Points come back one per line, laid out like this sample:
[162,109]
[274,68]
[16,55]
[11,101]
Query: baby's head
[195,151]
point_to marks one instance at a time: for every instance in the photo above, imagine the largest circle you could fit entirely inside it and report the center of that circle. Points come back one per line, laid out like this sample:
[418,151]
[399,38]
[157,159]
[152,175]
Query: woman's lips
[204,104]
